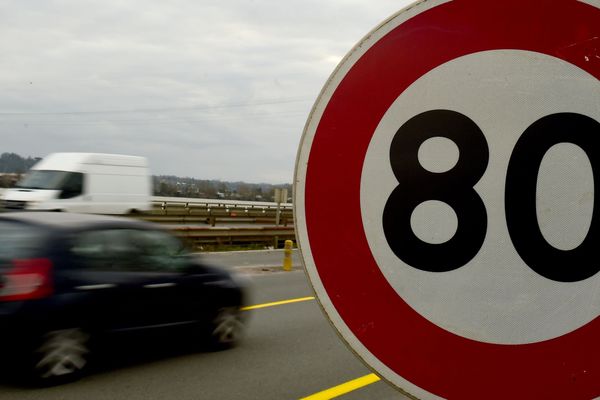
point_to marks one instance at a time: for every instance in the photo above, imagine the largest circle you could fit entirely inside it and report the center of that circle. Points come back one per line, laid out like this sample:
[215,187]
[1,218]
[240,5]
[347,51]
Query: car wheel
[228,328]
[62,355]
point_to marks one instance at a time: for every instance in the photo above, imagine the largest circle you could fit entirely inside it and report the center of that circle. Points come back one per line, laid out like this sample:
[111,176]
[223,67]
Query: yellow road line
[344,388]
[277,303]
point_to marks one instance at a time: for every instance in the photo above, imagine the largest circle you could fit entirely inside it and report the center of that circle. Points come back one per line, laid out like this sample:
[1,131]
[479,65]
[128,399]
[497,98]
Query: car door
[104,277]
[173,292]
[134,278]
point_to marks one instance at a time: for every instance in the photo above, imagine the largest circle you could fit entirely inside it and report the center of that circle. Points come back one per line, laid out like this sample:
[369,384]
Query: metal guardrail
[195,221]
[220,202]
[212,211]
[198,237]
[188,215]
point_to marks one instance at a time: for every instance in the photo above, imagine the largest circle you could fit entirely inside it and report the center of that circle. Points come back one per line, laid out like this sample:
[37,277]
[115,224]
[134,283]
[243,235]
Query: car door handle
[96,287]
[159,285]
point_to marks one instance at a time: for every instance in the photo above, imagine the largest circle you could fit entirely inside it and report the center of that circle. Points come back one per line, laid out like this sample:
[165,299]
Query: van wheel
[61,356]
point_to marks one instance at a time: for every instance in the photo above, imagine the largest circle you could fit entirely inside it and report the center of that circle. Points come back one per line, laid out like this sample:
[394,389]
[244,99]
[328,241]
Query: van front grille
[14,204]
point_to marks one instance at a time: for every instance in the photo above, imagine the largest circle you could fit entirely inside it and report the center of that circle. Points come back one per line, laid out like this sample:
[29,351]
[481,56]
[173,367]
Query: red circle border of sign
[438,361]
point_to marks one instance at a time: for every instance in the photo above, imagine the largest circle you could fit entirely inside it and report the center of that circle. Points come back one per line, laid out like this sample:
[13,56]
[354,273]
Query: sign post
[280,197]
[463,139]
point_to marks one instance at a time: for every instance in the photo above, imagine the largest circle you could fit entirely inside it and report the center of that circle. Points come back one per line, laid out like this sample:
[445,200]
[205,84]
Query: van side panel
[112,184]
[112,189]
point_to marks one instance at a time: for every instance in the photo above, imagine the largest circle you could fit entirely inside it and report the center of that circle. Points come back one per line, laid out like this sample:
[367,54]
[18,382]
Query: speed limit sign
[462,142]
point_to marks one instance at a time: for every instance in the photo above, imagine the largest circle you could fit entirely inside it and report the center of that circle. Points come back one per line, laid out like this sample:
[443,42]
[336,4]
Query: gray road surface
[290,352]
[270,259]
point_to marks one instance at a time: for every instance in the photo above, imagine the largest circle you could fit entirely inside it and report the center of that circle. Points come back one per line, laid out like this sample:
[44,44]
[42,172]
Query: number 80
[456,188]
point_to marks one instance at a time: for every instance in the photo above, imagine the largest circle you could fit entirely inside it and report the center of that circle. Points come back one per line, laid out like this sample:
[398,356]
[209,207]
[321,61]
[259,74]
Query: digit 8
[454,187]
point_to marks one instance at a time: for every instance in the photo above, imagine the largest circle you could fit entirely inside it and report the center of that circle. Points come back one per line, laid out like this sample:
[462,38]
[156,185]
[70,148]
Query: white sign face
[463,141]
[495,297]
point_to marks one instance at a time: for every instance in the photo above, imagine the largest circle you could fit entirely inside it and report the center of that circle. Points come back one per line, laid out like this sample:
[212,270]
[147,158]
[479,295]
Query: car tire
[61,356]
[227,328]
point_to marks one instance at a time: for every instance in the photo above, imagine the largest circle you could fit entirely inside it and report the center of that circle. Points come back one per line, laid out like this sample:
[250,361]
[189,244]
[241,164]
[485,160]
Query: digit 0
[520,197]
[454,187]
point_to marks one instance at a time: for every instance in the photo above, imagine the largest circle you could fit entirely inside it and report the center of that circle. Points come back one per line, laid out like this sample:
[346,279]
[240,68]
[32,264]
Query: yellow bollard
[287,255]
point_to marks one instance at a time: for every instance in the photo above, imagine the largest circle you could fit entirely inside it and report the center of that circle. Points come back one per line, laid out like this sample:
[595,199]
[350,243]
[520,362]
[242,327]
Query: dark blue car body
[92,276]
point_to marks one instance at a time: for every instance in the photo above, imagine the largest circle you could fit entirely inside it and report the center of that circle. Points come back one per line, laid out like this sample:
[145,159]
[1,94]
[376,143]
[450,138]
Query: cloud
[210,89]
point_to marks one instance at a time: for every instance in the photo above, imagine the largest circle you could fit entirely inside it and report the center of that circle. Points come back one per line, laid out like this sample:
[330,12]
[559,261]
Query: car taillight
[28,279]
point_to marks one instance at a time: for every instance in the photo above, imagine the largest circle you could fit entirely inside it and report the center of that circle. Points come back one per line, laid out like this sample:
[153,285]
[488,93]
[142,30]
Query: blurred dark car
[68,279]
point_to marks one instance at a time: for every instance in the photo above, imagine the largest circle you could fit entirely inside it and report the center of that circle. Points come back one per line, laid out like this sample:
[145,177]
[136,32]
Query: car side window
[91,247]
[158,251]
[129,250]
[108,250]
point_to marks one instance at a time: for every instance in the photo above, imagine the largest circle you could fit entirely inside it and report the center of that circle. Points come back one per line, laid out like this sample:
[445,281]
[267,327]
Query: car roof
[64,220]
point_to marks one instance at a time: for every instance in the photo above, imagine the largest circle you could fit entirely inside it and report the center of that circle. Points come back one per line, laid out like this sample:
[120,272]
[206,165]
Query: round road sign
[461,142]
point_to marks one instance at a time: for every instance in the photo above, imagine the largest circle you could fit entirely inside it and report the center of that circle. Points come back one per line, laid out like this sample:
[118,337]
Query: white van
[85,183]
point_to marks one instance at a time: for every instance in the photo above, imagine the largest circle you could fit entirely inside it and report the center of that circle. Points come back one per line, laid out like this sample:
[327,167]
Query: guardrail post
[287,255]
[280,197]
[212,220]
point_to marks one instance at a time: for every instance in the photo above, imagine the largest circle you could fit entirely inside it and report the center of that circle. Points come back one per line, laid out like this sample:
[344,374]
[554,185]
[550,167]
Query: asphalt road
[290,352]
[242,260]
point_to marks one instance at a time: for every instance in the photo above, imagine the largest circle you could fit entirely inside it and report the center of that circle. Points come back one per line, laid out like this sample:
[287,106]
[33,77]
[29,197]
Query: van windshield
[43,179]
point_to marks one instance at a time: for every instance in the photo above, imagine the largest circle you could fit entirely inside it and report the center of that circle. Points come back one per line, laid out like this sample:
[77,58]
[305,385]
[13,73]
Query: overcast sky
[208,89]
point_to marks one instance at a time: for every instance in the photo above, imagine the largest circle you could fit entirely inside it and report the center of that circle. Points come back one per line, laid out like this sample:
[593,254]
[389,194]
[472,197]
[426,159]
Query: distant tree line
[12,166]
[173,186]
[15,164]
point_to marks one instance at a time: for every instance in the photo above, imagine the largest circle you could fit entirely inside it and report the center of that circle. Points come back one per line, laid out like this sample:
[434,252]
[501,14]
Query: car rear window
[18,240]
